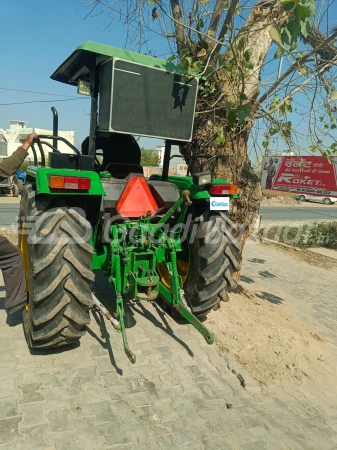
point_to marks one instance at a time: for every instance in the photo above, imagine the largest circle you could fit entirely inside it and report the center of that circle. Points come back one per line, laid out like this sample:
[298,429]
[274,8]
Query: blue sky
[36,36]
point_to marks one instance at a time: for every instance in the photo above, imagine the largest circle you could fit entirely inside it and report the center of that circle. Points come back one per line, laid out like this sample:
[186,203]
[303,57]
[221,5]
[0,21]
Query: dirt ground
[311,258]
[275,347]
[9,199]
[11,234]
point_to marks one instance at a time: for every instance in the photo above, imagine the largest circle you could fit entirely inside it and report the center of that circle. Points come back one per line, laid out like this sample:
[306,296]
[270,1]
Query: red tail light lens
[136,199]
[84,184]
[223,189]
[69,183]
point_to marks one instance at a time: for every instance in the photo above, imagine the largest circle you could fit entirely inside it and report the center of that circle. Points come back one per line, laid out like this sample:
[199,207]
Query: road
[298,213]
[9,212]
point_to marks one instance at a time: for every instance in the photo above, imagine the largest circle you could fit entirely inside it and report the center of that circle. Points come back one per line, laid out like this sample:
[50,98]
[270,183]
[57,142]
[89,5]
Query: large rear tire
[59,270]
[19,182]
[213,262]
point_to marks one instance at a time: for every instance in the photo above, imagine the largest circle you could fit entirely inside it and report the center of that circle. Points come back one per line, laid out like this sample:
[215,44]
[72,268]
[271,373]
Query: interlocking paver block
[32,414]
[113,433]
[59,420]
[36,437]
[50,381]
[9,430]
[79,407]
[9,407]
[64,441]
[86,428]
[103,413]
[8,387]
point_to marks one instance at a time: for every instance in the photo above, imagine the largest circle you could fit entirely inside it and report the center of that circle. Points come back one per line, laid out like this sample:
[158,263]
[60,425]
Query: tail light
[69,183]
[136,199]
[224,189]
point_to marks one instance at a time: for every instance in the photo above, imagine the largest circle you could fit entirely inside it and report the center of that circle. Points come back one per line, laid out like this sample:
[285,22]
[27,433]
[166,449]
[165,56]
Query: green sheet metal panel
[83,53]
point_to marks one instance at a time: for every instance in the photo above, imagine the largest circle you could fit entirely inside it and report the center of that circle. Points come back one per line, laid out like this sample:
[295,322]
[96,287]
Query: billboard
[313,175]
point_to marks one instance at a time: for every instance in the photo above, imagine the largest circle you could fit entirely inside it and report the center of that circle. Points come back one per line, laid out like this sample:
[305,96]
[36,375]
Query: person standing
[271,169]
[11,261]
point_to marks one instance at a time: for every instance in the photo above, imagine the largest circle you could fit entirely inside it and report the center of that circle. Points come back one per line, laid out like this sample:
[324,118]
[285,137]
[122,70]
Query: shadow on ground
[270,298]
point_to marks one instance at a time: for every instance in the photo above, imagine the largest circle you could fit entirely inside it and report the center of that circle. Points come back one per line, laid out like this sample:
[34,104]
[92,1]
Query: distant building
[281,153]
[178,164]
[14,136]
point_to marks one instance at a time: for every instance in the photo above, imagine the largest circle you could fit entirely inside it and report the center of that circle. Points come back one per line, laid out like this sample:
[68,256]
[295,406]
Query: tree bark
[178,26]
[236,168]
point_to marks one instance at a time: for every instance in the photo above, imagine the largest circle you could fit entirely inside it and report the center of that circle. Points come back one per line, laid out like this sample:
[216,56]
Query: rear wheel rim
[183,266]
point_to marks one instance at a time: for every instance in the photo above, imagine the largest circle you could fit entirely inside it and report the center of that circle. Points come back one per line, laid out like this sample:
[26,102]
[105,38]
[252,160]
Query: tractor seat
[121,171]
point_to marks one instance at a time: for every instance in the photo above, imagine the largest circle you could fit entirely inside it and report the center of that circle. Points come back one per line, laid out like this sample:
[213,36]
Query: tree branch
[224,28]
[294,67]
[322,69]
[178,25]
[215,20]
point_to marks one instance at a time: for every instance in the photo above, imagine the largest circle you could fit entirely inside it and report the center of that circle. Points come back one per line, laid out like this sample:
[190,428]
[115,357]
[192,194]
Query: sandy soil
[314,259]
[11,234]
[274,346]
[9,199]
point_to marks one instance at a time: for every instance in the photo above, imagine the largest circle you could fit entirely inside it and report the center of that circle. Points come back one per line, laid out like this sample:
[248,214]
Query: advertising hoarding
[313,175]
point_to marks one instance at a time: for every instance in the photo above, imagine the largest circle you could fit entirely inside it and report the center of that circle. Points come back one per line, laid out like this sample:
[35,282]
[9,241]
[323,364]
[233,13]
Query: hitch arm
[177,300]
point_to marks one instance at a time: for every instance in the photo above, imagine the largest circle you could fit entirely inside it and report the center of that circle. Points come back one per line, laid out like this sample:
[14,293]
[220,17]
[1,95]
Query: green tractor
[167,237]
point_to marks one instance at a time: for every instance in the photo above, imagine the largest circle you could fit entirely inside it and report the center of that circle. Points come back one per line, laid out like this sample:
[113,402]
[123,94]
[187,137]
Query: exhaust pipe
[55,125]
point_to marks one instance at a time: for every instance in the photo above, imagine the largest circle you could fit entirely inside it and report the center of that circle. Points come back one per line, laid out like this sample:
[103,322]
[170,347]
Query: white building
[14,136]
[178,164]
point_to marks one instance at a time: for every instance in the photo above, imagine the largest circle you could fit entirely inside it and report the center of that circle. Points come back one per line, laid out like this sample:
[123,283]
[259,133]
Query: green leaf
[287,6]
[249,65]
[238,11]
[311,8]
[286,36]
[305,28]
[183,53]
[201,24]
[171,58]
[302,12]
[219,140]
[265,144]
[276,37]
[333,95]
[279,52]
[247,55]
[232,117]
[241,44]
[242,96]
[152,2]
[198,67]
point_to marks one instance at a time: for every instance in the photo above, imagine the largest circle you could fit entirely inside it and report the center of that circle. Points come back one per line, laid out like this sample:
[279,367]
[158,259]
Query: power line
[42,101]
[35,92]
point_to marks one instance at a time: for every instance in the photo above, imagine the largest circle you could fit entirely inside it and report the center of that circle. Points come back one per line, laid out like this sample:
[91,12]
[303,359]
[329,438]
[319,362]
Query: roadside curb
[281,244]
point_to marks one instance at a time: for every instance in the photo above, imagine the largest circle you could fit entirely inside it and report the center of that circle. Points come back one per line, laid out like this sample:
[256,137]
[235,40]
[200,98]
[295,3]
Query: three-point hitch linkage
[135,250]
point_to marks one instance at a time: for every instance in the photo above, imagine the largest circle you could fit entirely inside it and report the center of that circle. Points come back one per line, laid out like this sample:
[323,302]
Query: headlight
[84,87]
[202,178]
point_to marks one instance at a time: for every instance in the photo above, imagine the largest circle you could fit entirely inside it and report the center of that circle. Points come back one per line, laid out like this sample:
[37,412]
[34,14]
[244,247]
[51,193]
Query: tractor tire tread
[60,274]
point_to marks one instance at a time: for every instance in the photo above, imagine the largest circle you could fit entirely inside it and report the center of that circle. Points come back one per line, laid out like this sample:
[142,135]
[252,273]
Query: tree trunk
[236,168]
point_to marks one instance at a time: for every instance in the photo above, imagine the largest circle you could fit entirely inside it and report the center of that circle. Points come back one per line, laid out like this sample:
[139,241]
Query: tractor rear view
[167,237]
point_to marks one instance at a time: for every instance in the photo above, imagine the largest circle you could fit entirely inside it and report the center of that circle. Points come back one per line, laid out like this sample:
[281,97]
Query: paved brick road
[176,396]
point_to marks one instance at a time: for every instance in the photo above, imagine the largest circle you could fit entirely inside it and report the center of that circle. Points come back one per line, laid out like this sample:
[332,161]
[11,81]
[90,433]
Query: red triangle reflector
[137,199]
